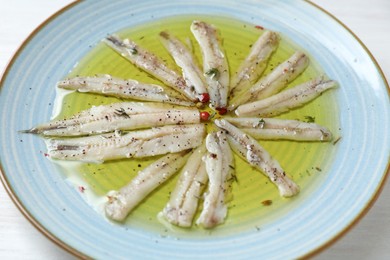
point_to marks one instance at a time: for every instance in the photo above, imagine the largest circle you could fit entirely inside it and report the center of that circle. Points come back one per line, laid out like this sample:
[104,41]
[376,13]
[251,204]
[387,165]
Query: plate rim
[56,240]
[386,173]
[3,177]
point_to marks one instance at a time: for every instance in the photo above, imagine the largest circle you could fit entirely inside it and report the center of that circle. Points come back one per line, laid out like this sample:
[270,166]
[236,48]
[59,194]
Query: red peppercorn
[204,116]
[204,98]
[222,110]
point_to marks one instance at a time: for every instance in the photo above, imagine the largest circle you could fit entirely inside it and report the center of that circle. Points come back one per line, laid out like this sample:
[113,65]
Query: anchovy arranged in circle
[165,122]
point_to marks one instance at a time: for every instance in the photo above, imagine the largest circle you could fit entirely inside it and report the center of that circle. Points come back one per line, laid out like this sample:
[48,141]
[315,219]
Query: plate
[353,179]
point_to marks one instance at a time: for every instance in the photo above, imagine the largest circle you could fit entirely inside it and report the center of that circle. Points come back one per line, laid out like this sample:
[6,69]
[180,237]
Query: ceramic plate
[352,176]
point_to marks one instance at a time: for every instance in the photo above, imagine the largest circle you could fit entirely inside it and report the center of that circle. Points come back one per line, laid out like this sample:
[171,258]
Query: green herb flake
[261,123]
[212,115]
[337,140]
[213,73]
[310,119]
[121,112]
[133,51]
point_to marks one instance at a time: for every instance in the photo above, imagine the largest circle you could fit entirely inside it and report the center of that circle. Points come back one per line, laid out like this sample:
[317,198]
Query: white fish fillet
[135,144]
[121,88]
[215,66]
[183,203]
[120,203]
[275,81]
[274,129]
[286,100]
[254,64]
[150,63]
[186,61]
[118,116]
[219,166]
[249,149]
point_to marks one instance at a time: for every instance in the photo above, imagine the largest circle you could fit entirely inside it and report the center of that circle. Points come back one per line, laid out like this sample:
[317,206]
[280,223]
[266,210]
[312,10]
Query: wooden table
[369,239]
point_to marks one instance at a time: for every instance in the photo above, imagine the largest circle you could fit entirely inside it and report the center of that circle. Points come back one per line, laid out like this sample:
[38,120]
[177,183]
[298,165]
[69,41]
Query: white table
[369,239]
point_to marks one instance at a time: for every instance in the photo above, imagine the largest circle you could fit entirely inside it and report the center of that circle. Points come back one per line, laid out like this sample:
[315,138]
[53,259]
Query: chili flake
[81,189]
[259,27]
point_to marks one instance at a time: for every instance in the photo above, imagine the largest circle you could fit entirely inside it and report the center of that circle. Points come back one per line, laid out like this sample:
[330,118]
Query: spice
[213,73]
[337,140]
[310,119]
[259,27]
[261,123]
[266,202]
[213,155]
[121,112]
[204,98]
[204,116]
[133,51]
[222,110]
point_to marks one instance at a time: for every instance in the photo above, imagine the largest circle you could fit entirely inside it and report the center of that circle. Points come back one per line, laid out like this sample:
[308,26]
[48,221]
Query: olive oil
[255,200]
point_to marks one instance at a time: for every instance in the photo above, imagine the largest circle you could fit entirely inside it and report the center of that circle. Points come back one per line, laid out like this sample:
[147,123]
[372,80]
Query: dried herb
[121,112]
[310,119]
[261,123]
[133,51]
[213,73]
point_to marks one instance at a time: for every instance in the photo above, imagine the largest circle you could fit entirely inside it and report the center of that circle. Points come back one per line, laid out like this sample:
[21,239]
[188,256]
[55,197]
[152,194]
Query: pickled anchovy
[186,61]
[219,166]
[131,89]
[250,150]
[275,81]
[183,203]
[275,129]
[120,203]
[135,144]
[286,100]
[118,116]
[254,64]
[150,63]
[215,66]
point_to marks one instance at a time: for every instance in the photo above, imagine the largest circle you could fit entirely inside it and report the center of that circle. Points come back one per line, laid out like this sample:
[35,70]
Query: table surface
[369,20]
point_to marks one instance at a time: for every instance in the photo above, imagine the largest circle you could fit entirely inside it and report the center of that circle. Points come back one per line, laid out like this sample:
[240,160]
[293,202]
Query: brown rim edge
[381,186]
[3,177]
[80,255]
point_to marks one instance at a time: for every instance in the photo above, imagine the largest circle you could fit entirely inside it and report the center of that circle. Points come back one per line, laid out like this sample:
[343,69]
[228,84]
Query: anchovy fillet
[286,100]
[120,203]
[183,203]
[254,64]
[215,66]
[275,81]
[150,63]
[135,144]
[186,61]
[249,149]
[275,129]
[118,116]
[219,166]
[121,88]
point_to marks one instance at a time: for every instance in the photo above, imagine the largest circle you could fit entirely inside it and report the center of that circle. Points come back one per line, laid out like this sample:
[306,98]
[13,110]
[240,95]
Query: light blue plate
[358,171]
